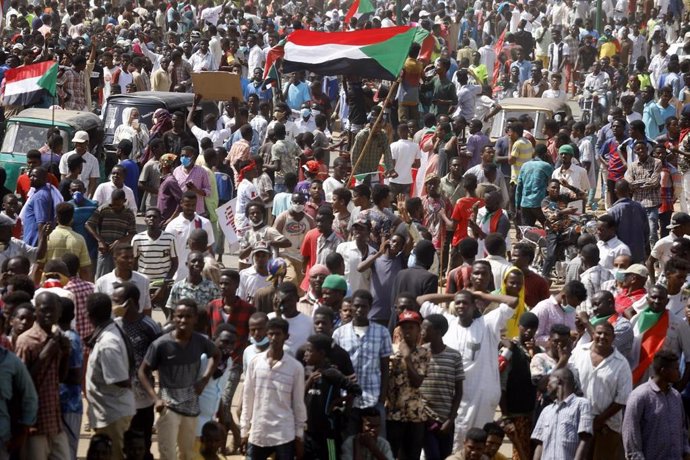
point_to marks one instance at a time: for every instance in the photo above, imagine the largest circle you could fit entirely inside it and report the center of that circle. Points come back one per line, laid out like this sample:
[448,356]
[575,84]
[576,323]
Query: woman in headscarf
[132,129]
[162,122]
[514,285]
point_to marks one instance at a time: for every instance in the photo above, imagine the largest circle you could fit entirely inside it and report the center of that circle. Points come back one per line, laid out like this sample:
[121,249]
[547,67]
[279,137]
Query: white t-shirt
[89,170]
[104,191]
[554,94]
[329,185]
[404,152]
[246,192]
[250,282]
[180,228]
[301,327]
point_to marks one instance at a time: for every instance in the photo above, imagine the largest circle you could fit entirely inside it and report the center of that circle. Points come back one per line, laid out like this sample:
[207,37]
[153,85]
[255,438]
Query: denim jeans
[653,217]
[555,248]
[282,452]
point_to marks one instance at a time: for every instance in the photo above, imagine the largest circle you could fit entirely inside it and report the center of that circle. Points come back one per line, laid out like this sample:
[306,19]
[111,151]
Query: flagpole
[393,90]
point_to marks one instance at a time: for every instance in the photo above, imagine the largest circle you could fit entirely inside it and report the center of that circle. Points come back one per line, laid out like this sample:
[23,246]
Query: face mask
[609,118]
[568,309]
[259,223]
[619,275]
[78,197]
[306,113]
[261,343]
[297,207]
[186,161]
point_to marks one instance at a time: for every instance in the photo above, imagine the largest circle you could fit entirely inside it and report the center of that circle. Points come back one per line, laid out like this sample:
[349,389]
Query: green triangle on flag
[49,81]
[391,54]
[365,6]
[419,35]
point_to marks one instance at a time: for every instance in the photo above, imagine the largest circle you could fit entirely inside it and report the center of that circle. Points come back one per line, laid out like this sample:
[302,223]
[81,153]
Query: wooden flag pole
[392,90]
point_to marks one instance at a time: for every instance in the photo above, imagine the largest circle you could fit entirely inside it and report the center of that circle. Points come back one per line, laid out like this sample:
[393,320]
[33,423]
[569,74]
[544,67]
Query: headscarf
[246,169]
[163,124]
[512,330]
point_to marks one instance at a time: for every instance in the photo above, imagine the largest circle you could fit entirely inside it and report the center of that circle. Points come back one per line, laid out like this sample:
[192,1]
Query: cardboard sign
[217,86]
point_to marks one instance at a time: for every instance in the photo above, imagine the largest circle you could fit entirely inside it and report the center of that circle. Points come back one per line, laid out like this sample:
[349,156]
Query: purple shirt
[653,425]
[199,177]
[549,313]
[475,144]
[169,196]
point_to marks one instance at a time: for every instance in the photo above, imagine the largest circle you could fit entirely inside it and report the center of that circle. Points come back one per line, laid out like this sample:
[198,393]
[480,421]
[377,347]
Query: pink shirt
[199,177]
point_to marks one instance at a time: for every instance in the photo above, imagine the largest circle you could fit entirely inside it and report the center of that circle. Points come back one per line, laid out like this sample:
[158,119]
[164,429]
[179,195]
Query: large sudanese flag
[373,53]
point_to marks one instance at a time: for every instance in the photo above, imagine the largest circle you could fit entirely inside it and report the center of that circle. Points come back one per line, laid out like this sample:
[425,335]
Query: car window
[499,124]
[20,138]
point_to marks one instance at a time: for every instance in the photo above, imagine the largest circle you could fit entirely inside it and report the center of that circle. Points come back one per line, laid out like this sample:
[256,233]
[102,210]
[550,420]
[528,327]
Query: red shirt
[24,184]
[309,251]
[461,214]
[240,312]
[538,289]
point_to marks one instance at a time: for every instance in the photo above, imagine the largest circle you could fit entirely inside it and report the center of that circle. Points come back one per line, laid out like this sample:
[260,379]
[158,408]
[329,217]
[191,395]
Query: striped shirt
[438,388]
[560,425]
[112,225]
[154,257]
[522,150]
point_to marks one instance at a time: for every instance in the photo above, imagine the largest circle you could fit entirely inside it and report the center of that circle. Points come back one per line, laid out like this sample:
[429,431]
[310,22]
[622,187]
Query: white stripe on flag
[28,85]
[322,53]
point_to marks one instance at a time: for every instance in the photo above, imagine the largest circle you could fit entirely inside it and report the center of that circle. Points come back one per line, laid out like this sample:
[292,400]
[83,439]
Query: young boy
[281,200]
[213,436]
[367,444]
[404,403]
[346,311]
[257,338]
[325,405]
[277,377]
[10,208]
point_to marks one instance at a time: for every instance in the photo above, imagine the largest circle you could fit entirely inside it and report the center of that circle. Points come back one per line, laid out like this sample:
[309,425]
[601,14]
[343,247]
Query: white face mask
[297,207]
[609,118]
[258,223]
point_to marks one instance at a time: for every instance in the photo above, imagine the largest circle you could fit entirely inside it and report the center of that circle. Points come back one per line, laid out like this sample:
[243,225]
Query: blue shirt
[253,145]
[40,209]
[366,353]
[70,394]
[632,227]
[15,383]
[531,183]
[653,120]
[252,88]
[81,215]
[525,69]
[297,94]
[132,176]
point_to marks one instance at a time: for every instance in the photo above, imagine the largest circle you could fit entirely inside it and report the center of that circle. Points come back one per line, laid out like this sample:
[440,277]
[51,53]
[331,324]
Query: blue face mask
[261,343]
[78,197]
[569,309]
[186,161]
[619,275]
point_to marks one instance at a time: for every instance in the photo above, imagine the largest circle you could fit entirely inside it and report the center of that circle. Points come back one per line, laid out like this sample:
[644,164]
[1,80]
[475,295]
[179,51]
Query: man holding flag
[656,329]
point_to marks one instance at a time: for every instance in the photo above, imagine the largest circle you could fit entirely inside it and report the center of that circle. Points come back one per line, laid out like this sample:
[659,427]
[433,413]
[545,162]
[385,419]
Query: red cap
[409,316]
[311,166]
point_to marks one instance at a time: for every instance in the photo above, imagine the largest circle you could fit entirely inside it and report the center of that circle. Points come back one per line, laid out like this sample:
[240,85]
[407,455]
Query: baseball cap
[637,269]
[567,149]
[311,166]
[168,159]
[81,136]
[678,219]
[336,282]
[261,247]
[409,316]
[362,221]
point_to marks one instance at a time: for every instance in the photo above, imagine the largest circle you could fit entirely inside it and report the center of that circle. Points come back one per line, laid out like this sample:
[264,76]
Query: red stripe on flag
[356,38]
[497,49]
[29,71]
[350,13]
[273,55]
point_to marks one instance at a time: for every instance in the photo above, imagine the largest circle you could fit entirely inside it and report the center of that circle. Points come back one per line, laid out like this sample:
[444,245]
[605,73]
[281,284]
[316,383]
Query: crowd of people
[407,282]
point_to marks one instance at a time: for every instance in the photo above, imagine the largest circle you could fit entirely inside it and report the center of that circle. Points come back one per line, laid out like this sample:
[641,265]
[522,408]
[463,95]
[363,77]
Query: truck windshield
[20,138]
